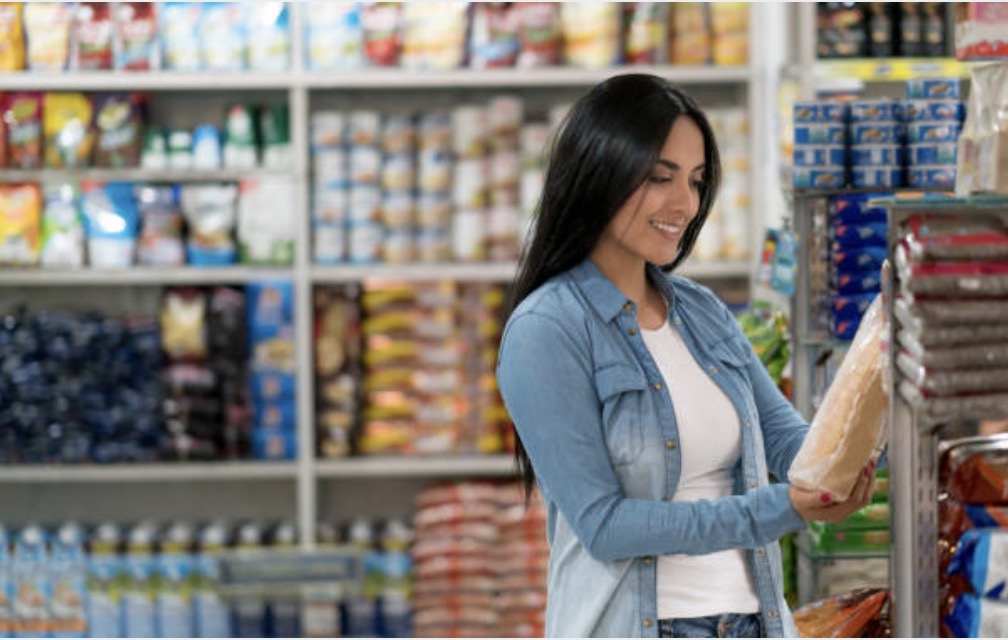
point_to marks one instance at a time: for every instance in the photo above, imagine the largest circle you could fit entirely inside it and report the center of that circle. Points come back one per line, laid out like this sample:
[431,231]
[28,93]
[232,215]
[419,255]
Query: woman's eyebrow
[675,167]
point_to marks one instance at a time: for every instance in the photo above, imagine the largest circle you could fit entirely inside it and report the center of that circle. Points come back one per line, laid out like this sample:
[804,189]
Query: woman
[642,413]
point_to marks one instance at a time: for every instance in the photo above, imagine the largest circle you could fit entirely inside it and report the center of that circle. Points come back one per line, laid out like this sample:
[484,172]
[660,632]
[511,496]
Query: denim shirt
[589,403]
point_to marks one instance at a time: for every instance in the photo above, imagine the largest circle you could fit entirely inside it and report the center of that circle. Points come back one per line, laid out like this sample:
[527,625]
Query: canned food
[889,176]
[926,88]
[932,177]
[953,110]
[820,177]
[811,111]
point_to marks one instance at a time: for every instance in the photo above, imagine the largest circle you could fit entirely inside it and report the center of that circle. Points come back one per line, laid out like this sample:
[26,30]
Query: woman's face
[651,222]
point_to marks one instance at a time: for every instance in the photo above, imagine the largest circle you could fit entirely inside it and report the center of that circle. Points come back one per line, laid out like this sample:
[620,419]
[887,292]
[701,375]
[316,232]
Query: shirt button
[760,553]
[678,320]
[712,369]
[748,423]
[647,622]
[752,485]
[628,306]
[632,331]
[772,613]
[647,559]
[670,444]
[656,386]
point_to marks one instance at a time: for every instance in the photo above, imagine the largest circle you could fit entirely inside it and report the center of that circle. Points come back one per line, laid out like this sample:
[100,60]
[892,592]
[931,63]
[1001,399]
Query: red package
[973,279]
[932,238]
[380,22]
[136,36]
[457,492]
[22,113]
[470,599]
[539,33]
[975,470]
[92,36]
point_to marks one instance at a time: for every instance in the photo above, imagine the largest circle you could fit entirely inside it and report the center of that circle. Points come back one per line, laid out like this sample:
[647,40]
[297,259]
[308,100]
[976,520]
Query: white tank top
[710,443]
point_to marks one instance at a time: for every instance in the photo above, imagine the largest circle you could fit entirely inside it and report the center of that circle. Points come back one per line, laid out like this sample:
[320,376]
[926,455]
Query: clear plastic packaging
[933,382]
[969,356]
[848,429]
[929,330]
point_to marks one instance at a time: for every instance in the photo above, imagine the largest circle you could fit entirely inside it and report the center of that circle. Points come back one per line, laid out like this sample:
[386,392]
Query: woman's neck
[632,280]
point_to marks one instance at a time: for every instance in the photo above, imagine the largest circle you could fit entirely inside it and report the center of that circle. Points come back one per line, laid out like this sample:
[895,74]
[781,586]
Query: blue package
[877,133]
[272,416]
[270,304]
[869,177]
[933,88]
[852,306]
[845,328]
[860,234]
[854,209]
[179,30]
[931,110]
[858,282]
[820,177]
[877,155]
[933,153]
[933,132]
[820,134]
[863,258]
[274,444]
[223,36]
[815,112]
[884,110]
[271,386]
[932,176]
[978,556]
[819,155]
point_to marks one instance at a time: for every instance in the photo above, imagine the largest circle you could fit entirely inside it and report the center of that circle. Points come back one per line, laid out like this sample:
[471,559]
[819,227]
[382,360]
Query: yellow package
[20,224]
[66,126]
[48,29]
[12,40]
[729,17]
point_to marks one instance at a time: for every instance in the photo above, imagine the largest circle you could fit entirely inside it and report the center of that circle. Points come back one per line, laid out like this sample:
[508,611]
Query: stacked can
[434,187]
[505,115]
[535,138]
[820,145]
[365,229]
[469,187]
[397,178]
[329,186]
[877,134]
[935,112]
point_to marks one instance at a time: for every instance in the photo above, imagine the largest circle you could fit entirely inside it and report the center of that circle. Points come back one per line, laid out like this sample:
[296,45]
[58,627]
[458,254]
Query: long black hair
[605,148]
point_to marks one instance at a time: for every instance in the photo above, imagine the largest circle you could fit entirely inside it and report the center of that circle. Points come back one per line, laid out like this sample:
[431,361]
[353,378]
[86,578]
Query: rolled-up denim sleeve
[546,377]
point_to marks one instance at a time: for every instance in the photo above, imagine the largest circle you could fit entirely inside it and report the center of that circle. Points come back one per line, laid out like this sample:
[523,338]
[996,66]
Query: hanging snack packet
[111,221]
[135,42]
[92,42]
[119,128]
[848,430]
[160,226]
[12,40]
[210,212]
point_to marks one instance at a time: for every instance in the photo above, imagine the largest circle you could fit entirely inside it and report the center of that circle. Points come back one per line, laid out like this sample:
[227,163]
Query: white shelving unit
[301,482]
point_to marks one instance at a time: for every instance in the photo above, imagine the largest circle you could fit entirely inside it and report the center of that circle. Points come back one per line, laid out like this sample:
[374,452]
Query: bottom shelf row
[469,562]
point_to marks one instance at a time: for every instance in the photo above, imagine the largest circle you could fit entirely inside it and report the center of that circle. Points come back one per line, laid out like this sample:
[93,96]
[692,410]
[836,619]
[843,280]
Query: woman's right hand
[816,506]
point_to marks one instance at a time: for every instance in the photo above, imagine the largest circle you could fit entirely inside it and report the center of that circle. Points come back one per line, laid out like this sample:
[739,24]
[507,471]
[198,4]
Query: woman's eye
[696,184]
[659,179]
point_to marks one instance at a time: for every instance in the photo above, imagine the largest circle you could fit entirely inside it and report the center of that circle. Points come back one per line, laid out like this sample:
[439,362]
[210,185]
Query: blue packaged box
[918,132]
[941,153]
[270,416]
[884,110]
[820,155]
[877,155]
[820,134]
[280,444]
[935,110]
[877,133]
[811,111]
[858,282]
[933,88]
[852,306]
[858,258]
[820,177]
[868,177]
[272,386]
[854,209]
[860,234]
[932,177]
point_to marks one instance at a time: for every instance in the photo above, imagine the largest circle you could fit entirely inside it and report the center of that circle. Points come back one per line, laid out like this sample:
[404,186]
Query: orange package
[20,223]
[12,40]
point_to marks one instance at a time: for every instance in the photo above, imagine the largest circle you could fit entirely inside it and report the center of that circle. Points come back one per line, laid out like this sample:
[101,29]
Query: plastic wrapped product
[940,313]
[971,356]
[859,614]
[979,555]
[993,405]
[847,430]
[951,382]
[931,334]
[976,617]
[937,238]
[979,279]
[975,470]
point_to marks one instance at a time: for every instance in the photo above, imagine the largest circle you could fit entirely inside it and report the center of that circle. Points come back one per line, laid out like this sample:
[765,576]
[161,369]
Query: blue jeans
[728,625]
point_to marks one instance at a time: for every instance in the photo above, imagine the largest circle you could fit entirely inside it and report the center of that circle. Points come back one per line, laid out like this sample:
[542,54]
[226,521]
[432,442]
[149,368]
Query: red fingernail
[825,497]
[865,472]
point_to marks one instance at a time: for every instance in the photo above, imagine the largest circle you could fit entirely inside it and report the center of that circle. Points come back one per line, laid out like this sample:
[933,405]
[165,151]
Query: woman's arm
[547,381]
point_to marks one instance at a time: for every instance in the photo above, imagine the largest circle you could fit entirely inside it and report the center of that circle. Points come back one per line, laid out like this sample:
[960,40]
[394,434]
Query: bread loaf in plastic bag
[848,430]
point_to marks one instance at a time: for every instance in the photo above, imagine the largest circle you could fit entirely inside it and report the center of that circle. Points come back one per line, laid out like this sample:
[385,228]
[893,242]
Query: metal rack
[913,457]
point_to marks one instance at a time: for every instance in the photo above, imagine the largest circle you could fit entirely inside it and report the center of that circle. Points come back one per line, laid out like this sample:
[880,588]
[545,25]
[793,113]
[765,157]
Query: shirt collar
[605,297]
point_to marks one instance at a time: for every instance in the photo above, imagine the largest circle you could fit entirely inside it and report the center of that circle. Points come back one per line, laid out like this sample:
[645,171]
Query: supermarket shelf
[137,175]
[891,69]
[472,271]
[143,81]
[416,467]
[153,473]
[153,276]
[396,79]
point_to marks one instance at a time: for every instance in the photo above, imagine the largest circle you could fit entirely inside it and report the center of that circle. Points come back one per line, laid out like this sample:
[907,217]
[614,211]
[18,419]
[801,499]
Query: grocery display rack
[913,457]
[301,483]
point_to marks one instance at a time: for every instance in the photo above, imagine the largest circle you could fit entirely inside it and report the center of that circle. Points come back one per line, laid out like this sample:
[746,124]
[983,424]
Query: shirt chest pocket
[622,393]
